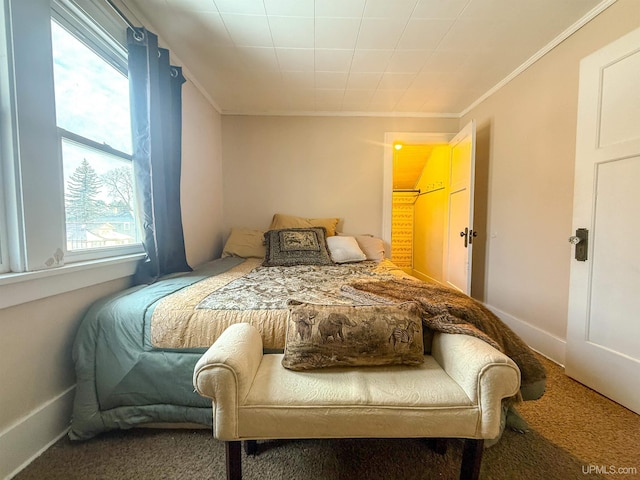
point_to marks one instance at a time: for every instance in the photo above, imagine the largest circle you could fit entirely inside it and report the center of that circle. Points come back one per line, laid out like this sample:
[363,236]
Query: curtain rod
[121,15]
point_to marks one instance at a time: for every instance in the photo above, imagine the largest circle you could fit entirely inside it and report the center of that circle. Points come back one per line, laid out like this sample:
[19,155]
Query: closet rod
[431,191]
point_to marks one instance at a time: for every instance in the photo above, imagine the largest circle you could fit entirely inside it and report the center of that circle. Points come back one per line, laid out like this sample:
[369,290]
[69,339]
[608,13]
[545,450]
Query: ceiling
[373,57]
[408,163]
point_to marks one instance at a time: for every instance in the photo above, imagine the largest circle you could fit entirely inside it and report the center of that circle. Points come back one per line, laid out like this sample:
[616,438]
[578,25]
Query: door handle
[468,235]
[581,242]
[465,234]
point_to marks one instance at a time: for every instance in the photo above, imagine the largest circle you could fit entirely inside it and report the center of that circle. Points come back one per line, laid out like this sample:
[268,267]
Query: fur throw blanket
[447,310]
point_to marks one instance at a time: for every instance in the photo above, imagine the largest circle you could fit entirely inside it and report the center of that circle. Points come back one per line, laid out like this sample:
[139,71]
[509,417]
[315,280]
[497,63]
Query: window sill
[18,288]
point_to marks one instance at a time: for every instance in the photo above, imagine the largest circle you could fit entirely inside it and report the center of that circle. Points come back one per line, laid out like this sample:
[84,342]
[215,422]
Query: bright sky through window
[92,97]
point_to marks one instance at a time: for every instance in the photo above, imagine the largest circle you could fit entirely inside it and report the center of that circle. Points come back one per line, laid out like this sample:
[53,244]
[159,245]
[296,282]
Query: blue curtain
[156,122]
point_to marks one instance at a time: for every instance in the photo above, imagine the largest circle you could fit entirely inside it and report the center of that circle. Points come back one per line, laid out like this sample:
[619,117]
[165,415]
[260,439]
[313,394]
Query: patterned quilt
[196,315]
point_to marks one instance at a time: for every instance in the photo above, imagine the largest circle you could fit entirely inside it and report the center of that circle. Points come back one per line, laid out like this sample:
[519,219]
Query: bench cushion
[456,392]
[400,401]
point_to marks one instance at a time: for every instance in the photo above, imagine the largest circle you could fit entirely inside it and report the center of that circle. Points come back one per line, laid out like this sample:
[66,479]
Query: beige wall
[35,348]
[201,181]
[310,166]
[526,148]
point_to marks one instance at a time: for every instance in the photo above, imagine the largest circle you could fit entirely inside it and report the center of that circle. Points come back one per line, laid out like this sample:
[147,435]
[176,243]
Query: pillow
[345,249]
[373,247]
[296,246]
[245,243]
[321,336]
[280,221]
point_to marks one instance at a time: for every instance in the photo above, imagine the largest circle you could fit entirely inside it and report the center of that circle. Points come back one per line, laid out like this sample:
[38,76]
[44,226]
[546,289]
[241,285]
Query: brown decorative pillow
[245,243]
[296,246]
[321,336]
[280,221]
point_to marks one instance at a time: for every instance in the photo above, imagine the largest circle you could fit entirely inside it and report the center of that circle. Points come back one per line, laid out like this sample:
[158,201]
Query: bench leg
[233,453]
[471,459]
[251,447]
[438,445]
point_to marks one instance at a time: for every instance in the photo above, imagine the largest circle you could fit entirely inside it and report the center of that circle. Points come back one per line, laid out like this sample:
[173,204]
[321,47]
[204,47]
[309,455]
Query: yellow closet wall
[430,213]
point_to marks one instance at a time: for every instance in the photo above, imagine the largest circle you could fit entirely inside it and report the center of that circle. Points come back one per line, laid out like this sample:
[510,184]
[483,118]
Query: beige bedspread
[195,316]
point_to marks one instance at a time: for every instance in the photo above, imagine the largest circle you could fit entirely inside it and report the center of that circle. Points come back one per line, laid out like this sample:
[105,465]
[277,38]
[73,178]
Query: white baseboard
[24,441]
[541,341]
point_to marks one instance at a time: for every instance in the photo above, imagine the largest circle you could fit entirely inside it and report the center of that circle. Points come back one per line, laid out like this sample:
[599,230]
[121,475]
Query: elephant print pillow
[321,336]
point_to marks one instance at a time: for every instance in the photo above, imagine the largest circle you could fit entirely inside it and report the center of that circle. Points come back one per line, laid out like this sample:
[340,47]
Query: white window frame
[75,21]
[32,216]
[4,241]
[5,137]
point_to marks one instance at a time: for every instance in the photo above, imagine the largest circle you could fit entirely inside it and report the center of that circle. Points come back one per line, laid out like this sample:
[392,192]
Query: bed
[135,351]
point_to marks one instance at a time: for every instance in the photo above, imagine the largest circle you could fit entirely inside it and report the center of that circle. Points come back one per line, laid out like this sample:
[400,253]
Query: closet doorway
[428,204]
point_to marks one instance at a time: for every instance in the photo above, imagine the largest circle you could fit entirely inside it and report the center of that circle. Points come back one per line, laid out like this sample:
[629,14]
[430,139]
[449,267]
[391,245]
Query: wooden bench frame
[469,469]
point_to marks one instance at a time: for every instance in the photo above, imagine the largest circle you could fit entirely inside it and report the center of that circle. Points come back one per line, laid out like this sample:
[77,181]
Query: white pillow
[345,249]
[373,247]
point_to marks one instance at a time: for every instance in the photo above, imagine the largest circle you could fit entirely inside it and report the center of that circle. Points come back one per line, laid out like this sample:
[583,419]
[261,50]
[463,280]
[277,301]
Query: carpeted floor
[575,433]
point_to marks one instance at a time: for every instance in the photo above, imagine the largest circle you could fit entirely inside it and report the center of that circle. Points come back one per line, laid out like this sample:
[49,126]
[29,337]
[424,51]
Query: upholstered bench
[456,393]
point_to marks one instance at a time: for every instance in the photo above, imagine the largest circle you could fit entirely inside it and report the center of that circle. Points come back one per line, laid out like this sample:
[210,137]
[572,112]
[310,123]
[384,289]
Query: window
[92,115]
[66,184]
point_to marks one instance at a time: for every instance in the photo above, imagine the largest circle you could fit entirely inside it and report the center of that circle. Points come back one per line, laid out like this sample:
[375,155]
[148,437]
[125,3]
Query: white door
[459,232]
[603,331]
